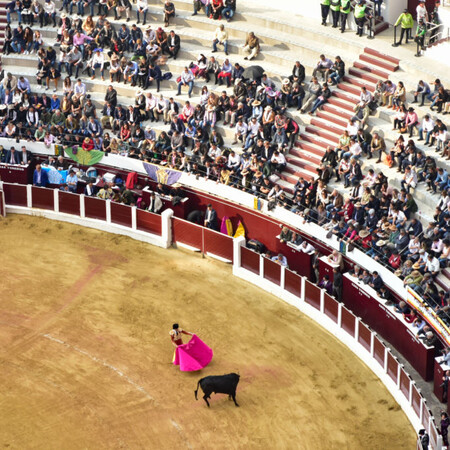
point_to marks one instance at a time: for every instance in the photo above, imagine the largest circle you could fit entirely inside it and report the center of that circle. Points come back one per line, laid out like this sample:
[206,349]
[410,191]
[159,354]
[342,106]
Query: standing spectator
[40,177]
[210,217]
[337,283]
[346,7]
[325,10]
[421,11]
[335,6]
[251,46]
[406,21]
[445,422]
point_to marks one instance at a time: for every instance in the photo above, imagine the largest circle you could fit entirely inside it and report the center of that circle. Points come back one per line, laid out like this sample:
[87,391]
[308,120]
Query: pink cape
[195,355]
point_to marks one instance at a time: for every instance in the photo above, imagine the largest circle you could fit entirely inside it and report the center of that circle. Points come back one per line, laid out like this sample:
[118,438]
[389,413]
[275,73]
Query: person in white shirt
[432,265]
[214,152]
[421,11]
[428,127]
[365,97]
[234,161]
[221,37]
[354,151]
[186,79]
[409,179]
[142,8]
[278,161]
[97,62]
[306,247]
[50,12]
[352,127]
[240,132]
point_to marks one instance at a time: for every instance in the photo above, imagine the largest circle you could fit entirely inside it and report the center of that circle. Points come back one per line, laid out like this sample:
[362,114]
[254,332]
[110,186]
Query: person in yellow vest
[360,16]
[406,21]
[325,9]
[346,7]
[335,6]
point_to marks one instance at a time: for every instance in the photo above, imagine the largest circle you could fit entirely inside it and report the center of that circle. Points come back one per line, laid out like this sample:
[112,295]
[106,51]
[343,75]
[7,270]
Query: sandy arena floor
[85,354]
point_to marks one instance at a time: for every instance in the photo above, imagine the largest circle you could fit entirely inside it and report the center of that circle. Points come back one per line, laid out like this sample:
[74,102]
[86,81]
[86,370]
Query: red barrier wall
[292,283]
[331,307]
[69,203]
[379,351]
[95,208]
[250,260]
[272,271]
[416,400]
[404,383]
[42,198]
[312,294]
[149,222]
[348,321]
[121,214]
[15,194]
[392,367]
[364,336]
[218,244]
[187,233]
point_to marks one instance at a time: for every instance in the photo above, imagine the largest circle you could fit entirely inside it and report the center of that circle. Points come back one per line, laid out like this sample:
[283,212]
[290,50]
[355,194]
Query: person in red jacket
[88,144]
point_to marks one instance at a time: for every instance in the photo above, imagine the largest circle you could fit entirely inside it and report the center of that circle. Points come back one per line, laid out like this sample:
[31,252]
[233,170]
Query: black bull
[219,384]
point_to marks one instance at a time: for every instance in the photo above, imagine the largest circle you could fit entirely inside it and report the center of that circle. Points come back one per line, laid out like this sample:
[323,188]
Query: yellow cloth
[240,231]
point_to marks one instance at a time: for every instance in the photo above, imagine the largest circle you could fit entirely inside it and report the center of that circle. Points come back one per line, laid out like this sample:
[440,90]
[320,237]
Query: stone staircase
[330,122]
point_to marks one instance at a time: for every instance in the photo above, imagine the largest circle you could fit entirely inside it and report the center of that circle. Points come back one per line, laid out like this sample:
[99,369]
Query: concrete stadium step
[394,61]
[348,97]
[299,171]
[364,74]
[332,118]
[286,186]
[315,130]
[327,126]
[443,281]
[350,88]
[338,111]
[340,103]
[322,140]
[360,82]
[379,60]
[371,69]
[309,156]
[302,164]
[254,15]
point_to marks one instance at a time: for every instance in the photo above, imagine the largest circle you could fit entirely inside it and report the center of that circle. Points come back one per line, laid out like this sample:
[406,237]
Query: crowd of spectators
[372,215]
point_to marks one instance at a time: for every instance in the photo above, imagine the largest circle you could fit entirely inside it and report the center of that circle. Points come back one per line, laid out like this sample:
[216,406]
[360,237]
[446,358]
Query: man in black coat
[337,284]
[298,73]
[211,218]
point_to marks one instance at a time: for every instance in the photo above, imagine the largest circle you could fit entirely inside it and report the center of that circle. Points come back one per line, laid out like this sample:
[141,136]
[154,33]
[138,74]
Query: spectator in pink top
[411,121]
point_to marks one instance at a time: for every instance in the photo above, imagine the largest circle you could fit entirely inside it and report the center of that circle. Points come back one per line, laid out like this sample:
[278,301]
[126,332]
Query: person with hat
[420,35]
[421,12]
[360,13]
[406,21]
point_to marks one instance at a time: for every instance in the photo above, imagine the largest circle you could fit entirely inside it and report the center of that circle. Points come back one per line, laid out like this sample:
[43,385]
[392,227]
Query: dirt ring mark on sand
[103,363]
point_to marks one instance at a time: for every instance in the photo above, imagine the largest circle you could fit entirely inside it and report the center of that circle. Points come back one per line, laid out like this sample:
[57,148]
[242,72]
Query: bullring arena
[86,355]
[274,177]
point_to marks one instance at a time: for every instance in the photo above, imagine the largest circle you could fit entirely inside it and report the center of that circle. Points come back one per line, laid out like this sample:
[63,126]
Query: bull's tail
[195,392]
